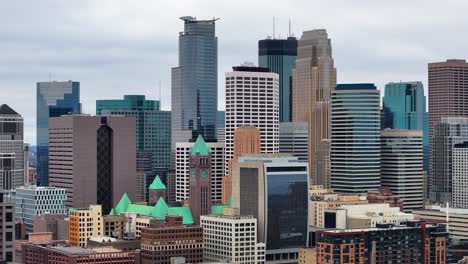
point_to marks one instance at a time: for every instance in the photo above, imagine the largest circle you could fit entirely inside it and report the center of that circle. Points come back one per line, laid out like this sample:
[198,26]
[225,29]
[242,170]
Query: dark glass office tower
[53,99]
[279,55]
[195,83]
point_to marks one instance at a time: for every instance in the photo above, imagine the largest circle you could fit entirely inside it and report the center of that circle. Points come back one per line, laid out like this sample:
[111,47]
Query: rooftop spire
[200,147]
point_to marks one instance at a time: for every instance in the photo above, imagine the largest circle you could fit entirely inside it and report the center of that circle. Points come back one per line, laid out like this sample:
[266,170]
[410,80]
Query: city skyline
[131,55]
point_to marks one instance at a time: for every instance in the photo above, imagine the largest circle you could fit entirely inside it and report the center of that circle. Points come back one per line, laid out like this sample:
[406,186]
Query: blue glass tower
[404,107]
[279,55]
[194,81]
[53,99]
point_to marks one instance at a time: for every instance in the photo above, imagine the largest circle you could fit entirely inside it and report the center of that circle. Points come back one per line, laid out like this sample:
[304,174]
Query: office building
[114,225]
[460,175]
[384,196]
[182,170]
[268,186]
[200,179]
[57,252]
[160,242]
[194,93]
[53,99]
[415,242]
[220,126]
[355,138]
[447,133]
[228,230]
[26,162]
[246,142]
[7,230]
[307,255]
[314,79]
[279,55]
[457,220]
[93,158]
[153,126]
[90,218]
[404,107]
[31,200]
[11,149]
[293,139]
[358,216]
[252,99]
[402,166]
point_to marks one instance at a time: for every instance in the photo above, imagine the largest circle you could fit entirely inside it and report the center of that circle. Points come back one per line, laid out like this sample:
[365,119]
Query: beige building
[83,224]
[457,219]
[324,199]
[307,255]
[314,78]
[369,215]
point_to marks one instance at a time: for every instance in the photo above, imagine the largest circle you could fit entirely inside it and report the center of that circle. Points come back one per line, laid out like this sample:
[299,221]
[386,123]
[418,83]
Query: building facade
[355,138]
[228,230]
[31,200]
[84,223]
[279,55]
[52,99]
[404,107]
[182,170]
[447,133]
[460,175]
[93,158]
[194,98]
[314,79]
[153,126]
[266,187]
[7,230]
[252,99]
[417,243]
[293,139]
[402,166]
[11,149]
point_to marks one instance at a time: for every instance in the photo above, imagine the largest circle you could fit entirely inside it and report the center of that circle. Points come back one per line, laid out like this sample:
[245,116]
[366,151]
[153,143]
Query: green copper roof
[157,184]
[111,211]
[139,209]
[123,204]
[200,147]
[218,209]
[229,202]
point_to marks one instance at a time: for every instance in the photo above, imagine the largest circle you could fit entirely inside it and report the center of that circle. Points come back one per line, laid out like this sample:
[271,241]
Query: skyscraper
[11,149]
[460,175]
[447,133]
[53,99]
[402,166]
[273,188]
[293,139]
[314,79]
[93,158]
[194,101]
[355,138]
[153,127]
[200,179]
[404,107]
[279,55]
[252,99]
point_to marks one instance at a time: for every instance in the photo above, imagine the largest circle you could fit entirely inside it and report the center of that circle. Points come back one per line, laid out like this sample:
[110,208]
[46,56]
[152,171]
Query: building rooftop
[356,86]
[7,110]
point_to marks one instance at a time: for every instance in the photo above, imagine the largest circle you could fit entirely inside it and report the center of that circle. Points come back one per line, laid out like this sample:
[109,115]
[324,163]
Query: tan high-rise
[314,78]
[246,141]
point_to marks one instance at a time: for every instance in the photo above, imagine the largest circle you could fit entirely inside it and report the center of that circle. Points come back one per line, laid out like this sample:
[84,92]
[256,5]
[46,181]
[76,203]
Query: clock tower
[200,179]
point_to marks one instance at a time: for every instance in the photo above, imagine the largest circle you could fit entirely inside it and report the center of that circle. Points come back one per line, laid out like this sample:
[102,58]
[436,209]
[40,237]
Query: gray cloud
[117,47]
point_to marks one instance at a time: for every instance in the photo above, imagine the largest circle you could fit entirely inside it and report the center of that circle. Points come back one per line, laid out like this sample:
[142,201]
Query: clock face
[204,174]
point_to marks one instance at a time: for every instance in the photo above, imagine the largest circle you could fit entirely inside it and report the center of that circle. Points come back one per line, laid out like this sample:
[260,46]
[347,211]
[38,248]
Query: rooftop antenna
[273,27]
[289,26]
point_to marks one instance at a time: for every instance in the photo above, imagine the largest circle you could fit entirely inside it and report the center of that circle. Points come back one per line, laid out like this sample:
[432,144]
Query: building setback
[252,99]
[355,138]
[279,55]
[314,79]
[194,93]
[52,99]
[11,149]
[93,158]
[402,166]
[7,230]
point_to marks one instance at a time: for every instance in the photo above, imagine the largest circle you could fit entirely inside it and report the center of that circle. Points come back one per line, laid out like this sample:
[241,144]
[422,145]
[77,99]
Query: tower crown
[200,147]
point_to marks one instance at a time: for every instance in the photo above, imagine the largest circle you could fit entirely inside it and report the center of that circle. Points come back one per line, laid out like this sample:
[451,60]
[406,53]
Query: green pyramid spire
[111,211]
[157,184]
[123,204]
[200,147]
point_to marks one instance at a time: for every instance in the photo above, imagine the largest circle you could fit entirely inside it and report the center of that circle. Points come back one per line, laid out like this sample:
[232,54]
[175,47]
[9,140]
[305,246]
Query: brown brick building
[162,241]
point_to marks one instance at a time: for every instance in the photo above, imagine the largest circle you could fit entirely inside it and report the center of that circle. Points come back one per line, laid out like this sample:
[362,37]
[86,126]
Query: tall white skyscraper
[11,149]
[402,165]
[182,170]
[460,175]
[252,99]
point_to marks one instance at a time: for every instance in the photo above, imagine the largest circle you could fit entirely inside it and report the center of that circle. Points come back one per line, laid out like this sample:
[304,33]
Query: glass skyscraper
[195,83]
[404,107]
[53,99]
[355,138]
[279,55]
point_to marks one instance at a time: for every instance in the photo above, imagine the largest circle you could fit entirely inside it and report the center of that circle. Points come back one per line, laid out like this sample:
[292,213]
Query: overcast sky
[118,47]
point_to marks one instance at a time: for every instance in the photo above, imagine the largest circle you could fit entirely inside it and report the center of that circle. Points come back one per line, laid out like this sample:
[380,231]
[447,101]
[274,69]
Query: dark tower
[200,179]
[104,166]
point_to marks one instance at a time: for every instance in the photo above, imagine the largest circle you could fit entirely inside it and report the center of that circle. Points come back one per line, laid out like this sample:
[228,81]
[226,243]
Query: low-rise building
[84,223]
[53,223]
[114,225]
[369,215]
[307,255]
[384,196]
